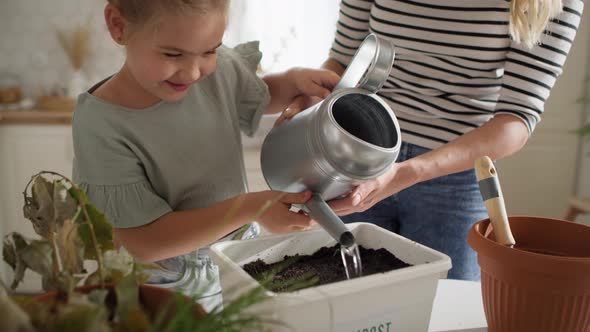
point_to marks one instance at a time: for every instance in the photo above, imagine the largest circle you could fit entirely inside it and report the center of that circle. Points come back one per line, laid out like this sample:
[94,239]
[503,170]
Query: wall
[583,181]
[30,48]
[300,36]
[540,178]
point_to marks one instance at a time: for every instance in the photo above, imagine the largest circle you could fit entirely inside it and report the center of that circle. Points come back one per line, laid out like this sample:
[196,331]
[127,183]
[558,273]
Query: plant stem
[56,253]
[95,244]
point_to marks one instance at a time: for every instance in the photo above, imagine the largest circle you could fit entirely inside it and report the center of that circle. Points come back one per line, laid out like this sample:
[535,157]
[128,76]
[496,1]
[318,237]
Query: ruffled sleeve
[127,205]
[252,95]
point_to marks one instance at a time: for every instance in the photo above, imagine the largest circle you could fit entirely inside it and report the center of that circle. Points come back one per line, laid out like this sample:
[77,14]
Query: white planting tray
[398,300]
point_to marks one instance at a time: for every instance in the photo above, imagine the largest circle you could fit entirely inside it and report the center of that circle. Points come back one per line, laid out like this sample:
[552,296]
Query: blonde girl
[158,147]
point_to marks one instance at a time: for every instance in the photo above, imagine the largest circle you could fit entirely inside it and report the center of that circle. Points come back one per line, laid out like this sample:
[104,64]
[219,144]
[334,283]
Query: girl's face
[166,59]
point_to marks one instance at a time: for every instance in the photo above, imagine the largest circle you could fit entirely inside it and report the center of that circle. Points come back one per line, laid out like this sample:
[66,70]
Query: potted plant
[111,297]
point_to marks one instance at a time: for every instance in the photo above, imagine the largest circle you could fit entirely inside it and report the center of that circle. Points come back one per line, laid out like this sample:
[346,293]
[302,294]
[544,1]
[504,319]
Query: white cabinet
[24,151]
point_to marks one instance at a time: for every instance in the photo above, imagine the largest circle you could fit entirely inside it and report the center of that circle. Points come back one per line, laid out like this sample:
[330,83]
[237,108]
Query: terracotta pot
[152,298]
[531,290]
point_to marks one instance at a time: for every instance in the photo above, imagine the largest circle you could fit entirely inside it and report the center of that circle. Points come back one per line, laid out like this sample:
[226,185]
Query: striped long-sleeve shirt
[456,65]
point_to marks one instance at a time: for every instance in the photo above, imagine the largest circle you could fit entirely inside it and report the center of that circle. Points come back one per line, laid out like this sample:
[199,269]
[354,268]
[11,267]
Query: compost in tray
[320,268]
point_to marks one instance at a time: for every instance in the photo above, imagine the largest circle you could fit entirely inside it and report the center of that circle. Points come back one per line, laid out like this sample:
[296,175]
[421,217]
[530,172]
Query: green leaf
[234,317]
[292,284]
[98,296]
[127,291]
[135,320]
[14,318]
[584,131]
[79,195]
[102,229]
[38,257]
[118,260]
[110,277]
[49,283]
[40,313]
[93,279]
[63,282]
[85,317]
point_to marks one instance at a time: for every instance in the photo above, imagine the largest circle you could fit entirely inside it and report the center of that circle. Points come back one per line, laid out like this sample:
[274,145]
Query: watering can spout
[323,215]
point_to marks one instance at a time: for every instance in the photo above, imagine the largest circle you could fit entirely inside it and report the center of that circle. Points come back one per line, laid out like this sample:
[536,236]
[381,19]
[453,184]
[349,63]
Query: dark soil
[322,267]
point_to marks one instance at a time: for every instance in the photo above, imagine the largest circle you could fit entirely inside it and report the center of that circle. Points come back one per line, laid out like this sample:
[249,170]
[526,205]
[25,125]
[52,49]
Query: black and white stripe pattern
[456,65]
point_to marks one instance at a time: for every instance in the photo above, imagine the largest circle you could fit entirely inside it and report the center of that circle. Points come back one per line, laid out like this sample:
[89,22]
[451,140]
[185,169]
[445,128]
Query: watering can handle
[323,214]
[370,66]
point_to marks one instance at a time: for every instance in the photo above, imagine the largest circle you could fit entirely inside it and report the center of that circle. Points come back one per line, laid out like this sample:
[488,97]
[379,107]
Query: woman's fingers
[296,198]
[360,199]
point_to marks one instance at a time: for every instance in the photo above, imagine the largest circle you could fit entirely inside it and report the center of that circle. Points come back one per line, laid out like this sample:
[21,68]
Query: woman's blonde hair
[529,18]
[142,11]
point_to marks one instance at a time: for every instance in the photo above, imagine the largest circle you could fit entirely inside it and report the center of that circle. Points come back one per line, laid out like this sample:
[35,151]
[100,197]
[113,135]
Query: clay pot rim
[485,245]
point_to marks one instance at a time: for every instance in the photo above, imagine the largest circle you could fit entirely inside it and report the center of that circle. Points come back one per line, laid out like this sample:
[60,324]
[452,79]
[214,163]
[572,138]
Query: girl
[157,145]
[470,78]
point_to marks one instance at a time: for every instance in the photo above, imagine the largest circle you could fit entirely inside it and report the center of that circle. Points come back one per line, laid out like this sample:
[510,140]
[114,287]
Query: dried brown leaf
[13,243]
[69,247]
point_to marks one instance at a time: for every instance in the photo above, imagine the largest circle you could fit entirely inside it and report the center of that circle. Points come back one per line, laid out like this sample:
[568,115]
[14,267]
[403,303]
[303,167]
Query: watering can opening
[365,118]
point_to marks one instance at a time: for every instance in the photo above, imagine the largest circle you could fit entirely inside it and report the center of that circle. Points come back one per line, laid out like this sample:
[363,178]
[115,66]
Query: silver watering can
[348,138]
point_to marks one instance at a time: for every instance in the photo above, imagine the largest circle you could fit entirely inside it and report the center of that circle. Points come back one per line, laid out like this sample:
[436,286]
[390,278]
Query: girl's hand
[313,85]
[369,193]
[313,82]
[275,215]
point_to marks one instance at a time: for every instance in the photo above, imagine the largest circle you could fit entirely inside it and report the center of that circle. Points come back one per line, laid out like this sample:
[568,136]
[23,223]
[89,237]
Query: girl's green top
[136,165]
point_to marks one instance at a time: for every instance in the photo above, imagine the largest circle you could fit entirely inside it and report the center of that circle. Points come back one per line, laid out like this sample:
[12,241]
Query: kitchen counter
[458,307]
[35,117]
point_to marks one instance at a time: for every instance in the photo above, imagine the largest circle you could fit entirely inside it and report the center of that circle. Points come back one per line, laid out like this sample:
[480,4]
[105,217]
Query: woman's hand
[400,176]
[274,211]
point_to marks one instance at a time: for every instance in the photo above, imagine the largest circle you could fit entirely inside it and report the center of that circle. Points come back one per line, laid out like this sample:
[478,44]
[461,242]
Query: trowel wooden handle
[489,185]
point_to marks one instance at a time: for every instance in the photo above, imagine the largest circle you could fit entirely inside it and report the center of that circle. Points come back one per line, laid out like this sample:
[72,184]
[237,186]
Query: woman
[470,79]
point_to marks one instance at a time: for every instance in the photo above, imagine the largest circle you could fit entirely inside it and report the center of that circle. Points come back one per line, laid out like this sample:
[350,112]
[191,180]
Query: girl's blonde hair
[529,18]
[142,11]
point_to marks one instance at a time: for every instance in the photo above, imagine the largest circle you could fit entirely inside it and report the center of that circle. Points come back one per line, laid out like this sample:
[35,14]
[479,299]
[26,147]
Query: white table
[458,307]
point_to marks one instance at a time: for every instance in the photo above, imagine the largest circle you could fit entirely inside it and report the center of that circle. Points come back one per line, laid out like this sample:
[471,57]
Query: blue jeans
[437,213]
